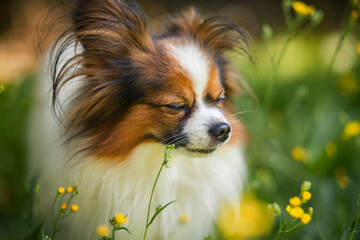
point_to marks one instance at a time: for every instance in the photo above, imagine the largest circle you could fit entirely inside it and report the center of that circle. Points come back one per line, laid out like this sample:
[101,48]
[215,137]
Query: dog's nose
[220,131]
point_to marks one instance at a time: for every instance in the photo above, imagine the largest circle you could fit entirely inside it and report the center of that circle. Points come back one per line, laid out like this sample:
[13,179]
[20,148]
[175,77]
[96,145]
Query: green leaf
[158,210]
[353,225]
[122,228]
[37,234]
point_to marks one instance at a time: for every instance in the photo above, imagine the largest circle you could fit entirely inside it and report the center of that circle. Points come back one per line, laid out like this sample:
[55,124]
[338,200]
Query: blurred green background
[302,106]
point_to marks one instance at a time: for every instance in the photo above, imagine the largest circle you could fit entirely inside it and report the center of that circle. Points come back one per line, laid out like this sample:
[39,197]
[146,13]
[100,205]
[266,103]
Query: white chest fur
[199,186]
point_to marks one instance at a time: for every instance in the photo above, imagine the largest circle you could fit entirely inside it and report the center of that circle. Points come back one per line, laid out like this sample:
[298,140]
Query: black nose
[220,131]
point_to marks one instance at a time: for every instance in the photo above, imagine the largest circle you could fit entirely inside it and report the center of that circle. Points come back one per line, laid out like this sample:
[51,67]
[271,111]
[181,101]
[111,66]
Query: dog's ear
[109,28]
[212,31]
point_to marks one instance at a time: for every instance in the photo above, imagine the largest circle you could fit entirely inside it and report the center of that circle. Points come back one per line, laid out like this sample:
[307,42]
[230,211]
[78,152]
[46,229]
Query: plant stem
[166,157]
[38,207]
[113,233]
[338,47]
[52,209]
[58,217]
[356,222]
[281,227]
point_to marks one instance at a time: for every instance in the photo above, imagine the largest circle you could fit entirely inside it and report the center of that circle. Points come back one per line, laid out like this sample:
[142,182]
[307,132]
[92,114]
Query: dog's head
[170,89]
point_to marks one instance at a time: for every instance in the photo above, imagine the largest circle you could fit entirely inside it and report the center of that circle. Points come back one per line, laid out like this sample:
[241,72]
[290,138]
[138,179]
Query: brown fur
[128,77]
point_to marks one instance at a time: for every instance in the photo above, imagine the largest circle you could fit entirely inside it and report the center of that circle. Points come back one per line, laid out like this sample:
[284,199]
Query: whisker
[242,112]
[173,136]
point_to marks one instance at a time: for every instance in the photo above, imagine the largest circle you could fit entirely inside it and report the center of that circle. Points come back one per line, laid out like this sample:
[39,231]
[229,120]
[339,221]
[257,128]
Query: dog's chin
[197,152]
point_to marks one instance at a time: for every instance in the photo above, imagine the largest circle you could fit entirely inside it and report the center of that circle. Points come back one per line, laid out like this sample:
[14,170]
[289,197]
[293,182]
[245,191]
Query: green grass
[15,197]
[307,109]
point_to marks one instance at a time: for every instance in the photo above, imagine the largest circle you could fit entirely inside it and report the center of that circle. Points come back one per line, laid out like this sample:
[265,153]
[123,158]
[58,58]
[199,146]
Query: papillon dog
[121,95]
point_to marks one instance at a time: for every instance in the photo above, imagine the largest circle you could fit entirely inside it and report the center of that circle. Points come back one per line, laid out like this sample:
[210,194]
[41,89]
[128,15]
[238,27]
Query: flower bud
[267,32]
[305,186]
[274,208]
[310,210]
[317,17]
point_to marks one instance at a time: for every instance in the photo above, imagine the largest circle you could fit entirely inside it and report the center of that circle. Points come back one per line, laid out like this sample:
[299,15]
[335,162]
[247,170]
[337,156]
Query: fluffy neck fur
[199,186]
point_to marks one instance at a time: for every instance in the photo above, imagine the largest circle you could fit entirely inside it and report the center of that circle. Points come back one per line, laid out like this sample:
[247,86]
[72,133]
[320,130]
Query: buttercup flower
[295,201]
[63,206]
[102,230]
[354,15]
[302,8]
[288,208]
[61,190]
[184,218]
[69,189]
[306,218]
[120,219]
[358,48]
[342,180]
[249,220]
[352,129]
[348,84]
[74,208]
[297,212]
[299,154]
[306,195]
[330,149]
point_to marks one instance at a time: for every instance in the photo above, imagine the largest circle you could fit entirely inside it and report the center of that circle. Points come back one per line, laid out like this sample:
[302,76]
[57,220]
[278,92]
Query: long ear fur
[104,33]
[213,31]
[108,28]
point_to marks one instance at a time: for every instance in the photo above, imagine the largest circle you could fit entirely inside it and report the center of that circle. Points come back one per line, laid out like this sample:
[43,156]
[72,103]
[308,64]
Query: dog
[118,96]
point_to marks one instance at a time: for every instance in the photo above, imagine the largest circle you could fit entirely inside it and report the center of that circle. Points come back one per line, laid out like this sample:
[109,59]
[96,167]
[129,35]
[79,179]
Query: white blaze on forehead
[196,65]
[194,62]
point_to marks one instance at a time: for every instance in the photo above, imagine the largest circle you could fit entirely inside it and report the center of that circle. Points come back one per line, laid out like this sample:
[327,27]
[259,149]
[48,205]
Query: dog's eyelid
[177,106]
[221,95]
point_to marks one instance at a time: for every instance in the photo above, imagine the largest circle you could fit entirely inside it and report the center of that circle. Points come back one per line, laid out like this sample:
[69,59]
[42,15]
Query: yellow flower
[342,180]
[302,8]
[295,201]
[184,218]
[297,212]
[120,219]
[299,154]
[251,219]
[102,230]
[61,190]
[288,208]
[306,195]
[74,208]
[330,149]
[306,218]
[352,129]
[354,15]
[63,206]
[358,48]
[348,84]
[69,189]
